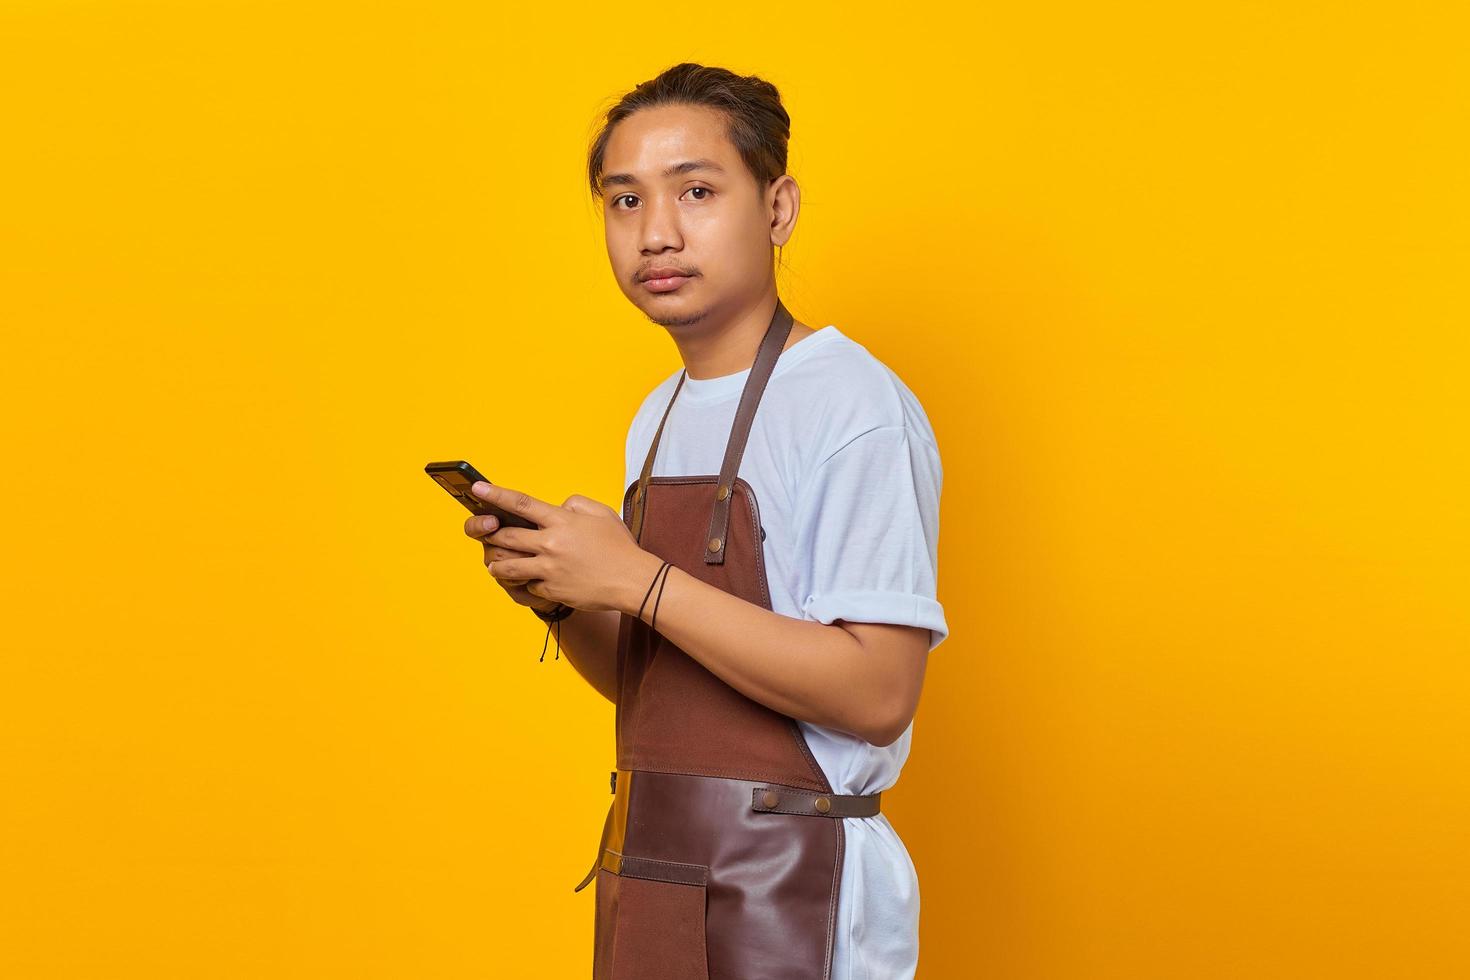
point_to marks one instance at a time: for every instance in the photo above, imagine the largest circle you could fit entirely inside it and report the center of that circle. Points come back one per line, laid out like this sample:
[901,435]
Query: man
[762,609]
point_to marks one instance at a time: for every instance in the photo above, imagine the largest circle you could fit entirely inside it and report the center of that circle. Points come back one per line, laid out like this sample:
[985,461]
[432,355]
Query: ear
[784,203]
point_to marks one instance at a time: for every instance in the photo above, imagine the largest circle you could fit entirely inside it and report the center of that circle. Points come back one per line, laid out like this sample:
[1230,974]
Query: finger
[518,538]
[501,554]
[491,561]
[479,525]
[515,568]
[513,583]
[508,583]
[579,504]
[518,502]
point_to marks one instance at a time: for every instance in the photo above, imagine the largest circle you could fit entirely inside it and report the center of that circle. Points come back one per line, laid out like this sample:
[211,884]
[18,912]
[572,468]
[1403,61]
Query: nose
[660,228]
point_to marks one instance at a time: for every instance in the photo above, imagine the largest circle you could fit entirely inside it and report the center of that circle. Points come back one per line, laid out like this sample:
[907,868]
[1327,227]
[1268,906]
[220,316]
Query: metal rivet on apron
[769,798]
[822,804]
[714,544]
[723,492]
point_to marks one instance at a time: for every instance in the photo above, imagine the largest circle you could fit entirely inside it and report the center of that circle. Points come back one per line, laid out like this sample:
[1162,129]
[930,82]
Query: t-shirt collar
[705,390]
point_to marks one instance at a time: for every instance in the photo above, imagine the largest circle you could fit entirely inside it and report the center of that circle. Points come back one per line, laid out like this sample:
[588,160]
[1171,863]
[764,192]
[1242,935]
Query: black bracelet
[650,589]
[653,620]
[562,611]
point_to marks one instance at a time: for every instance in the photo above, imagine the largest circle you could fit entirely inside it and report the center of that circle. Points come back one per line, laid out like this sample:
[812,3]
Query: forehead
[651,139]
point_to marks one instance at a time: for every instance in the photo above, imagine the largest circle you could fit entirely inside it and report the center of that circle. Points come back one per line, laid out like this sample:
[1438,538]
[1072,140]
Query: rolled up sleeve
[867,525]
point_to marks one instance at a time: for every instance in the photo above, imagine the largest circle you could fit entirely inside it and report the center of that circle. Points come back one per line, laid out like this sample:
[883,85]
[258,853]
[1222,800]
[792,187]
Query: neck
[715,350]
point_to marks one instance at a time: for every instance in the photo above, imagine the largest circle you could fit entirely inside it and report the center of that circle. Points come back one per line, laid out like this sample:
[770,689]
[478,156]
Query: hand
[581,554]
[479,527]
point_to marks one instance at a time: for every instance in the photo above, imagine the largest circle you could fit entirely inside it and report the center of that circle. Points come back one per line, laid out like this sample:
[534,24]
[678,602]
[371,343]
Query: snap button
[822,804]
[714,544]
[770,799]
[723,492]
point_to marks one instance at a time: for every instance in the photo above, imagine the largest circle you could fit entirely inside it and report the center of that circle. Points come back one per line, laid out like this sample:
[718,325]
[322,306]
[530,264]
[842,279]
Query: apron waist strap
[767,799]
[784,799]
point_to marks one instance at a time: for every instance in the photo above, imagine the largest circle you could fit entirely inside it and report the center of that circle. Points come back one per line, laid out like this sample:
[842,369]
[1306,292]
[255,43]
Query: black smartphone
[457,477]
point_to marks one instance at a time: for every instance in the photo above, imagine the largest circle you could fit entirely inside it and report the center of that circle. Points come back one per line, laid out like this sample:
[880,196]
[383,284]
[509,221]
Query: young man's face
[711,224]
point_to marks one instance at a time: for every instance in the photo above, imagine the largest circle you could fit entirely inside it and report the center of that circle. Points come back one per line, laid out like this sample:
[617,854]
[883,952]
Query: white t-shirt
[846,474]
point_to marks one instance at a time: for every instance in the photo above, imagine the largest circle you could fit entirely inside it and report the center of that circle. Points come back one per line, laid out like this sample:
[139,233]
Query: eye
[704,195]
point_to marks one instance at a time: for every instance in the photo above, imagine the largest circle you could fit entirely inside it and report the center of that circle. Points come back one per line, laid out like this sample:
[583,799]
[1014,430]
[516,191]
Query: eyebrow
[679,168]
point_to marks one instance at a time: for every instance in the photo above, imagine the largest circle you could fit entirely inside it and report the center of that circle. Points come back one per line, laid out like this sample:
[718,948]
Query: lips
[665,284]
[662,272]
[664,279]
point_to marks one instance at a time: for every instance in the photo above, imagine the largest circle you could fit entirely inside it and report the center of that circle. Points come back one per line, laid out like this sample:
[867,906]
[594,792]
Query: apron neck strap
[755,385]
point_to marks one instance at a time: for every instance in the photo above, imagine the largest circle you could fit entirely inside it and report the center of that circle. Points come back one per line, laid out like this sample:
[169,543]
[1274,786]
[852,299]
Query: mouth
[665,284]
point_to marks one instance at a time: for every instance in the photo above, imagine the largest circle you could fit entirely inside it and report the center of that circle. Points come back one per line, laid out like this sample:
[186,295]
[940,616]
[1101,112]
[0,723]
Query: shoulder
[842,391]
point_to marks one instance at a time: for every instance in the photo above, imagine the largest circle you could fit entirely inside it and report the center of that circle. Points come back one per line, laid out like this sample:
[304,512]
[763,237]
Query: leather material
[780,799]
[755,386]
[689,826]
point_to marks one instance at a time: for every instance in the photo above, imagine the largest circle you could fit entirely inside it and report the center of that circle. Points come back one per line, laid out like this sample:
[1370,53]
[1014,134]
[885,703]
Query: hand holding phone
[457,476]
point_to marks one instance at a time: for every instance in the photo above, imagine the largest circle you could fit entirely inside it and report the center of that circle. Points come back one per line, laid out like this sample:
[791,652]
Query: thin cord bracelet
[650,588]
[562,611]
[554,618]
[654,619]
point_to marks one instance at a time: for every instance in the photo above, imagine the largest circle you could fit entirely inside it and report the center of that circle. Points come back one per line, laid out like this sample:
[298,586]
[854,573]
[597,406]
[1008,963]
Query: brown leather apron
[720,858]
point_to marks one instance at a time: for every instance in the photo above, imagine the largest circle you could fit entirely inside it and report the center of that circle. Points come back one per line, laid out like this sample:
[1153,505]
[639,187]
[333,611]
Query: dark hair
[757,123]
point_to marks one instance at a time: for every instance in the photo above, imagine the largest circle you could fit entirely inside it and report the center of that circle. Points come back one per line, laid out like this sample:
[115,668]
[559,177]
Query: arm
[589,638]
[871,556]
[860,678]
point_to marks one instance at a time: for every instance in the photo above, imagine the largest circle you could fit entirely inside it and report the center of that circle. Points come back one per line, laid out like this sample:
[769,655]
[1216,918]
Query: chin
[669,309]
[676,318]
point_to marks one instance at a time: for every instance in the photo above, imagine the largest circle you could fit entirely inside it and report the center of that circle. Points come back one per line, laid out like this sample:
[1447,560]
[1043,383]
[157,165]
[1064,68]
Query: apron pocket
[650,921]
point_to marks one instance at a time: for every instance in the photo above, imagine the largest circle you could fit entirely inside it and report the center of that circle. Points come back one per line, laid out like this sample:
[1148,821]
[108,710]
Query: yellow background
[1182,289]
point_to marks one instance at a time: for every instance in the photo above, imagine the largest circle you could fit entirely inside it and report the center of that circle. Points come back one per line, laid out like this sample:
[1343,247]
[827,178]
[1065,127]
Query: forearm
[589,638]
[809,671]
